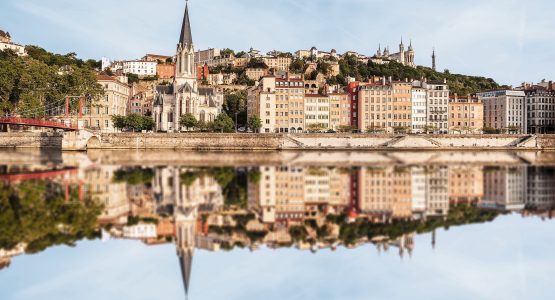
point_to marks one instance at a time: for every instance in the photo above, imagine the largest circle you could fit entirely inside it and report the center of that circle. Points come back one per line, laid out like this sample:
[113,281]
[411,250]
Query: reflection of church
[184,95]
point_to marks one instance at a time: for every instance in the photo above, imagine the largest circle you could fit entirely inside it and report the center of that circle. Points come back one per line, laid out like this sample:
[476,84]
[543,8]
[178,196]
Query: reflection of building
[101,188]
[504,188]
[541,189]
[437,191]
[466,184]
[385,193]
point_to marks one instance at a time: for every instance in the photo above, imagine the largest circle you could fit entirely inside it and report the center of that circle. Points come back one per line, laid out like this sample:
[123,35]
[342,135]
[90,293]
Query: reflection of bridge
[41,175]
[37,123]
[50,174]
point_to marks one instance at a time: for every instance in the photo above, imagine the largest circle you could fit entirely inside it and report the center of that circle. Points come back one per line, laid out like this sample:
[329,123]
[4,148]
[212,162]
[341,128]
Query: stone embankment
[83,140]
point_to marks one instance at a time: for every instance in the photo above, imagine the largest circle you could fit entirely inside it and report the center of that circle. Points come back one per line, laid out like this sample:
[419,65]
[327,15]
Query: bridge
[48,116]
[38,123]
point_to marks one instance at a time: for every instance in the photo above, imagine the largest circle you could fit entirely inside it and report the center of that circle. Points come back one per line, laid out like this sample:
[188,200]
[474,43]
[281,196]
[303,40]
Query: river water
[276,225]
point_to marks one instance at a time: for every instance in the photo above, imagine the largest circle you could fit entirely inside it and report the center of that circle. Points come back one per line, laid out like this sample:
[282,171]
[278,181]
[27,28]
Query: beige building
[98,115]
[466,115]
[277,63]
[279,102]
[256,73]
[385,107]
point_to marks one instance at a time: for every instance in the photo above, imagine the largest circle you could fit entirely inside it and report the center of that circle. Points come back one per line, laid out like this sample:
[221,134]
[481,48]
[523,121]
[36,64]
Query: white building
[7,44]
[140,231]
[437,104]
[419,110]
[505,110]
[139,67]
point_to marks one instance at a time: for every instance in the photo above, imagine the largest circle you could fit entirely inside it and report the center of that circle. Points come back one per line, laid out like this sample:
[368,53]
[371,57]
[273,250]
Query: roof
[103,77]
[186,38]
[4,34]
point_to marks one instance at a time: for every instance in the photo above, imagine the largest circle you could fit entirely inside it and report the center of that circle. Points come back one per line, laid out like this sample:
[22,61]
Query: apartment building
[385,107]
[466,115]
[277,63]
[505,110]
[437,103]
[540,106]
[139,67]
[99,114]
[419,110]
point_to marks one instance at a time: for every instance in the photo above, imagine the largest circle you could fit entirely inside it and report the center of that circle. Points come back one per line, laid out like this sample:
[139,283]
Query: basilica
[404,57]
[184,95]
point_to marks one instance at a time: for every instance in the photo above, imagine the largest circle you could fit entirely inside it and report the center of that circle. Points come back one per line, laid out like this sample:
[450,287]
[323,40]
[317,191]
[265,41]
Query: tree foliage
[37,84]
[188,120]
[224,124]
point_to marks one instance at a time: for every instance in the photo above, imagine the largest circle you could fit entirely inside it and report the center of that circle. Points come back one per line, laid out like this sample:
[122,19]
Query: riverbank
[271,142]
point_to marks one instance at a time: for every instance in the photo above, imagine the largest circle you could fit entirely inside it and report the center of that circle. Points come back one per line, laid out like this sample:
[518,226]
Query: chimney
[383,80]
[444,80]
[390,79]
[551,85]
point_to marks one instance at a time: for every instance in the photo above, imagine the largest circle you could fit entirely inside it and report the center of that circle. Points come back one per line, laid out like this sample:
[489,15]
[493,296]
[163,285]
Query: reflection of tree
[134,176]
[233,183]
[35,213]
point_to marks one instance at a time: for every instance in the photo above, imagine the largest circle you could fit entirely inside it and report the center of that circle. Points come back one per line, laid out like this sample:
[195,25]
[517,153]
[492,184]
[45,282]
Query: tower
[402,53]
[379,54]
[185,66]
[410,56]
[434,59]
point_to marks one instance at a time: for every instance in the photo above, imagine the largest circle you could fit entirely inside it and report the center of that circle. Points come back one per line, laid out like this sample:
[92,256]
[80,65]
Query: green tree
[134,122]
[188,120]
[119,122]
[224,124]
[255,123]
[147,123]
[236,103]
[315,128]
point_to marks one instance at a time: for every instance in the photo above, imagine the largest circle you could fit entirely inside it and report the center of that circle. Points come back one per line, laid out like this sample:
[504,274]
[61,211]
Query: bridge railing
[37,122]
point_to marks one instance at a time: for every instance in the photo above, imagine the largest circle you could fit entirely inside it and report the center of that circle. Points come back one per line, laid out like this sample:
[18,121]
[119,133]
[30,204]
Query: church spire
[186,38]
[185,263]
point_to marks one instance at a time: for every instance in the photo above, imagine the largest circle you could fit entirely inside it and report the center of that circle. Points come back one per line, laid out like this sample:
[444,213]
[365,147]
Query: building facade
[466,115]
[98,115]
[540,106]
[7,44]
[140,67]
[505,111]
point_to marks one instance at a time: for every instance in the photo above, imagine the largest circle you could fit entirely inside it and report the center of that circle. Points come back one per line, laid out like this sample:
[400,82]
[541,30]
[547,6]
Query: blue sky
[511,258]
[509,40]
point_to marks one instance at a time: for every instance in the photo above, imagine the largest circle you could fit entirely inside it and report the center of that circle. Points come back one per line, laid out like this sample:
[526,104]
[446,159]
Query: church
[185,95]
[404,57]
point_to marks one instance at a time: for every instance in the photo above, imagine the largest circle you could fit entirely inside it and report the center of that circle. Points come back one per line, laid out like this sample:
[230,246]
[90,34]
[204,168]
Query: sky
[512,41]
[511,258]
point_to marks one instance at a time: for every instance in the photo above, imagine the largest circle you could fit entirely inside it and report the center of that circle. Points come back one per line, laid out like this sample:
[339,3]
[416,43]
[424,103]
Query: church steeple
[186,38]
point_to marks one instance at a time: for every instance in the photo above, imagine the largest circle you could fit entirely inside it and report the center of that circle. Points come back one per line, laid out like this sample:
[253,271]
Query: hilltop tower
[434,59]
[185,72]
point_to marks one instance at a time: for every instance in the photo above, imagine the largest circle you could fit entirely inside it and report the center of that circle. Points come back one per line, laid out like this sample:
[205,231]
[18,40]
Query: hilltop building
[7,44]
[404,56]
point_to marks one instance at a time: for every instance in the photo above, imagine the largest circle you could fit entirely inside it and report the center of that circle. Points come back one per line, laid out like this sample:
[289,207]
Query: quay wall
[84,140]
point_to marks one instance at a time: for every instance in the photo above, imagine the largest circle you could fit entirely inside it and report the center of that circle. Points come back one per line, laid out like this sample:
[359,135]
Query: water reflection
[275,205]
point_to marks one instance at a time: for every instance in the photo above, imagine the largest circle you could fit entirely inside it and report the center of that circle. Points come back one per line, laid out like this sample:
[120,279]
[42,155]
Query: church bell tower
[185,71]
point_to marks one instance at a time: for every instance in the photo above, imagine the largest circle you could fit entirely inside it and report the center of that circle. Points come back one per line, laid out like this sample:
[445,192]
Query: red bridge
[37,123]
[41,175]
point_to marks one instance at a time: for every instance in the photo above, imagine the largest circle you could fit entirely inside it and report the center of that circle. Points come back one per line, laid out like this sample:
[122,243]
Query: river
[276,225]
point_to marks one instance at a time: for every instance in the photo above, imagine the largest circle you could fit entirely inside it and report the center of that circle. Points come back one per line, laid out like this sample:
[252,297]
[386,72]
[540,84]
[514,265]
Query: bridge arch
[93,143]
